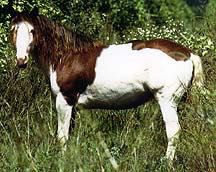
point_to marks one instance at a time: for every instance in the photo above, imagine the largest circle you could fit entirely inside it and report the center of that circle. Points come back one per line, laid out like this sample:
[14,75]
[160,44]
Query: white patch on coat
[123,75]
[24,38]
[53,82]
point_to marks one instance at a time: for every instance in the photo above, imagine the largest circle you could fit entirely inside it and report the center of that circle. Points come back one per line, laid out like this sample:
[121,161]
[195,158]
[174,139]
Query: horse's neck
[42,61]
[53,49]
[48,59]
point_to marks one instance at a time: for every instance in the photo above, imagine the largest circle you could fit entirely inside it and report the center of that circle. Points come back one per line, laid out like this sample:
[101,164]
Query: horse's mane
[55,41]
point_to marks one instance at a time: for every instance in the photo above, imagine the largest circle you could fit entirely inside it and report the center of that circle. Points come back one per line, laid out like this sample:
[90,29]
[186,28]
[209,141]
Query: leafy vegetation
[134,138]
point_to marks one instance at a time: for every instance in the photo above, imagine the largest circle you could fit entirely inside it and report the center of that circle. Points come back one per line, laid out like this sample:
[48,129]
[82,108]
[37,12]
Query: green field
[134,139]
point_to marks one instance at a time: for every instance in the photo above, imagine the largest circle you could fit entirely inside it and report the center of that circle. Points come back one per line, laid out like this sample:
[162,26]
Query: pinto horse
[87,74]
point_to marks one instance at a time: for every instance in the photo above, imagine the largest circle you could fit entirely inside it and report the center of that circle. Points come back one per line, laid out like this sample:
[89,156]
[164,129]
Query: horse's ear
[35,11]
[12,12]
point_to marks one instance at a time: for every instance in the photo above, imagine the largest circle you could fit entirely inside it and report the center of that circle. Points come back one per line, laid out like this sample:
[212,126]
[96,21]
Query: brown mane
[173,49]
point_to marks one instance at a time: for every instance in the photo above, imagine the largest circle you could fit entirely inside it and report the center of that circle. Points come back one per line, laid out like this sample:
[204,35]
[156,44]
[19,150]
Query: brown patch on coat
[173,49]
[72,55]
[73,76]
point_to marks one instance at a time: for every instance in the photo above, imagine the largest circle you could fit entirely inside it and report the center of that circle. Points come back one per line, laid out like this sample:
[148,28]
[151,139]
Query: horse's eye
[32,31]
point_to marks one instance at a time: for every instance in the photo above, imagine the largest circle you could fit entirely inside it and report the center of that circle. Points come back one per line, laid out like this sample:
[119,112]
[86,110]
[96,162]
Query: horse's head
[22,37]
[22,34]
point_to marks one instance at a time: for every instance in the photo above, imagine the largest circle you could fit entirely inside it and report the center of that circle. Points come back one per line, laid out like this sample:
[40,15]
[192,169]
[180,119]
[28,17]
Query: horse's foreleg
[64,115]
[170,117]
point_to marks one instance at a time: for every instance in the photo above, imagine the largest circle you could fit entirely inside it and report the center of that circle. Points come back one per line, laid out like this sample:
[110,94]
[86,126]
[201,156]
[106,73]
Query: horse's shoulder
[171,48]
[76,70]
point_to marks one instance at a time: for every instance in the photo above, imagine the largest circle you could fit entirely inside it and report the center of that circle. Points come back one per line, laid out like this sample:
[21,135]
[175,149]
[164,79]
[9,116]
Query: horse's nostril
[21,63]
[23,66]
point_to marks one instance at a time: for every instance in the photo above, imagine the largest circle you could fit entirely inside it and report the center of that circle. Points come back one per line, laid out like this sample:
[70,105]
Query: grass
[135,138]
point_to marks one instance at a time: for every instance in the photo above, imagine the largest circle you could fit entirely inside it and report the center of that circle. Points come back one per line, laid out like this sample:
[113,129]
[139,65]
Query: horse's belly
[119,96]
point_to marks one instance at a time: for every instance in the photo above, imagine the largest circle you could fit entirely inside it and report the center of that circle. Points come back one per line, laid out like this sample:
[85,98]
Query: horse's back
[171,48]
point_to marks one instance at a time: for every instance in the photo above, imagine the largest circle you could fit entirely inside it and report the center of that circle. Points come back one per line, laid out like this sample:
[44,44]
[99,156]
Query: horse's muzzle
[22,63]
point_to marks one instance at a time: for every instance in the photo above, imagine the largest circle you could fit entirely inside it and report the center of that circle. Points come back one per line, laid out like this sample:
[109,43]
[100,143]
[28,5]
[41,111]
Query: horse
[85,73]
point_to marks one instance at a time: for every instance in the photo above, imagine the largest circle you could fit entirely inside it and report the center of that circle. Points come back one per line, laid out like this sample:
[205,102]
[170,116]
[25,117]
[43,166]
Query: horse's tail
[198,76]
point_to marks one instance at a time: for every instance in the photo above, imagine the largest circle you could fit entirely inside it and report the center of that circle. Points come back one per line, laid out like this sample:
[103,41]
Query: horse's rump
[173,49]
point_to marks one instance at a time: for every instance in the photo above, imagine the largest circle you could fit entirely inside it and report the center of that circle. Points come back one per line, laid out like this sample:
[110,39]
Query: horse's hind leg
[64,116]
[169,111]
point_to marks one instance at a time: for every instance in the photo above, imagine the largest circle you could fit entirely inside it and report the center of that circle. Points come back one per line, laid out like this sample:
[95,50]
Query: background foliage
[135,138]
